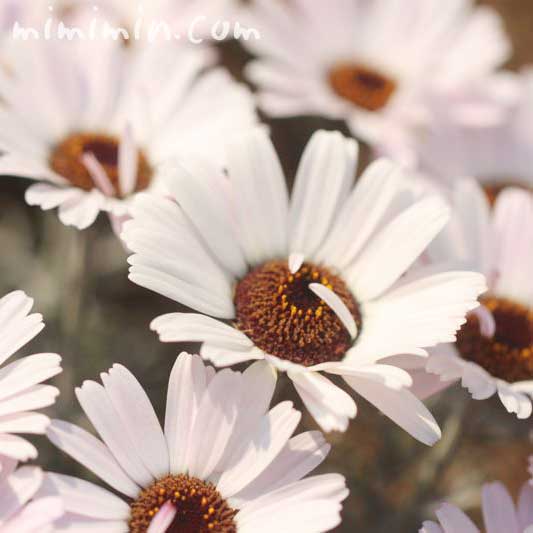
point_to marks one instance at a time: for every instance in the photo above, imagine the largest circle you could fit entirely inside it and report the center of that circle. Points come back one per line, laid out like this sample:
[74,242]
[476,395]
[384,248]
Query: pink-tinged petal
[162,520]
[98,174]
[454,520]
[487,324]
[128,162]
[499,512]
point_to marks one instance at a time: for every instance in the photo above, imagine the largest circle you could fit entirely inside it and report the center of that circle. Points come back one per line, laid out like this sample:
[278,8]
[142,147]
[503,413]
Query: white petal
[258,385]
[214,423]
[17,327]
[514,401]
[128,162]
[453,519]
[201,184]
[81,211]
[312,505]
[334,302]
[17,448]
[106,420]
[92,454]
[301,455]
[396,247]
[191,327]
[498,509]
[84,498]
[36,397]
[267,441]
[325,173]
[401,406]
[186,387]
[417,315]
[260,197]
[525,505]
[329,405]
[296,260]
[18,489]
[35,423]
[164,517]
[36,517]
[362,213]
[98,174]
[26,372]
[139,419]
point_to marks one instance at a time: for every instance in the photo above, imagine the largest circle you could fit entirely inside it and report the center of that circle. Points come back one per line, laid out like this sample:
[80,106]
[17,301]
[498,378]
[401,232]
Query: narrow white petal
[324,176]
[260,197]
[330,406]
[214,423]
[401,406]
[19,488]
[84,498]
[98,174]
[162,520]
[92,454]
[106,420]
[191,327]
[453,519]
[301,455]
[128,162]
[396,247]
[499,512]
[186,388]
[139,418]
[296,260]
[337,306]
[269,438]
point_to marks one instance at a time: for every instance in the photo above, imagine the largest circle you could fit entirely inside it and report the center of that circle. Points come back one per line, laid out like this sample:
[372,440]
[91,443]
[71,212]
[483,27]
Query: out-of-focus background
[95,317]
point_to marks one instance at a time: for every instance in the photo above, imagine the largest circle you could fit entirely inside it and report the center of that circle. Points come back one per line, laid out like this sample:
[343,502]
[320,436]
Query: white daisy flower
[21,509]
[223,464]
[102,133]
[311,284]
[494,349]
[21,388]
[497,156]
[377,65]
[499,513]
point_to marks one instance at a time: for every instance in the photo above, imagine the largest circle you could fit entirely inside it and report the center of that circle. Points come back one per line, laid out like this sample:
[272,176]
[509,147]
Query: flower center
[283,317]
[199,507]
[509,354]
[67,160]
[361,85]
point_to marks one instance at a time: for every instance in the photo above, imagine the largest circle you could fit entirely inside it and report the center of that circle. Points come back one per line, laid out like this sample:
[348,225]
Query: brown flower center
[509,354]
[283,317]
[66,160]
[361,85]
[200,508]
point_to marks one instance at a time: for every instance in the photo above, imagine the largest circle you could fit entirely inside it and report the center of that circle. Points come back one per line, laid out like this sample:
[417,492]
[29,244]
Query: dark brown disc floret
[284,317]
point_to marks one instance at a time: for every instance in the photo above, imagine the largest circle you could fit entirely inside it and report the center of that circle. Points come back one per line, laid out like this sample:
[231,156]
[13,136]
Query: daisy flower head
[22,509]
[312,283]
[498,155]
[21,381]
[499,513]
[224,462]
[494,349]
[103,133]
[373,64]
